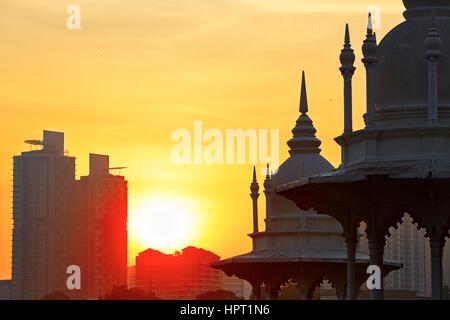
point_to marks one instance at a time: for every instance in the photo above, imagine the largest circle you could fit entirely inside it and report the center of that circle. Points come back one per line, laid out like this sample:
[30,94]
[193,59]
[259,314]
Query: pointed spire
[347,35]
[254,188]
[304,139]
[370,61]
[370,24]
[303,96]
[347,69]
[347,56]
[268,171]
[268,181]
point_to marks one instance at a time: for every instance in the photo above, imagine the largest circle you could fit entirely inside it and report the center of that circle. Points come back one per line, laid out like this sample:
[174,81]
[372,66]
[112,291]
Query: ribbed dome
[402,72]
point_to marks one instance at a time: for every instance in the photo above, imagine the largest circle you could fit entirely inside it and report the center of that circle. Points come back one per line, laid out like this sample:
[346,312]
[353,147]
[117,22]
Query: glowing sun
[162,223]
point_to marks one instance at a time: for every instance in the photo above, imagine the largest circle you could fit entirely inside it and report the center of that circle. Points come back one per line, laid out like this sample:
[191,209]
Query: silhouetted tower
[268,194]
[254,188]
[347,59]
[43,186]
[370,60]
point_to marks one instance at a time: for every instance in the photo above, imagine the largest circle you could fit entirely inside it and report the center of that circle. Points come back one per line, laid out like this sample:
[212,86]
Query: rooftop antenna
[117,170]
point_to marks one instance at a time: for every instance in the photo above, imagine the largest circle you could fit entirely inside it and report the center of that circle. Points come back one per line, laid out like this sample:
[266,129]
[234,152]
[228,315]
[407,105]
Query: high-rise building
[44,184]
[181,276]
[131,277]
[60,222]
[104,206]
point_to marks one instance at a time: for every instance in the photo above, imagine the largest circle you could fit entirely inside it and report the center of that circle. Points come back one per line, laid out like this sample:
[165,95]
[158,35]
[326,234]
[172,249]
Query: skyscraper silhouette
[60,221]
[44,183]
[104,206]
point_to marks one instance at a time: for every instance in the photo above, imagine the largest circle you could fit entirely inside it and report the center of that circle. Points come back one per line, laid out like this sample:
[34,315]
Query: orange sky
[140,69]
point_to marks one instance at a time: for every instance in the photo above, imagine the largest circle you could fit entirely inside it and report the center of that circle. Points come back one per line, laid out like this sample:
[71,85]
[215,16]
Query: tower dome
[305,160]
[402,72]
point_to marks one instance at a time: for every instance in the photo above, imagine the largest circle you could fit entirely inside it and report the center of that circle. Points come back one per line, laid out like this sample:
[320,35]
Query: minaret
[304,134]
[347,68]
[268,194]
[433,43]
[254,188]
[370,61]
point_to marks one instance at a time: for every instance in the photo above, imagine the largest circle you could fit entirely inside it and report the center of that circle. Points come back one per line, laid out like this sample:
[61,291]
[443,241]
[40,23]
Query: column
[437,245]
[376,252]
[350,243]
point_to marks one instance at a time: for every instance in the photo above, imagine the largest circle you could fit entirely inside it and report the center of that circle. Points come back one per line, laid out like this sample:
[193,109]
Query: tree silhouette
[57,295]
[218,295]
[123,293]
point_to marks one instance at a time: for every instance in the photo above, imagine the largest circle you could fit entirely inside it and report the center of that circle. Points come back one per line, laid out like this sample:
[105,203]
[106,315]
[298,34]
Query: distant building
[59,222]
[407,245]
[131,277]
[5,289]
[239,287]
[181,276]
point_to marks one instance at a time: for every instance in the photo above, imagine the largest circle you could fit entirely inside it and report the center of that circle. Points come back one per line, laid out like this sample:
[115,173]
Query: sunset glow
[162,223]
[138,70]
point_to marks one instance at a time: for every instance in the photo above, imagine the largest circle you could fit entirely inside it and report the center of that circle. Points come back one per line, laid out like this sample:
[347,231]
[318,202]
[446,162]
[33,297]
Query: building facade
[104,206]
[181,276]
[44,185]
[5,289]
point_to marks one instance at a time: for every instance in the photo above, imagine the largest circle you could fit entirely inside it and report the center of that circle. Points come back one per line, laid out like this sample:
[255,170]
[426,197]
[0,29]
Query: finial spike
[347,34]
[370,24]
[254,174]
[268,171]
[303,96]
